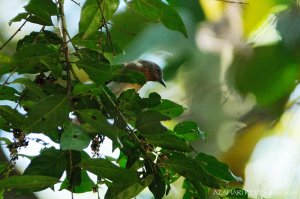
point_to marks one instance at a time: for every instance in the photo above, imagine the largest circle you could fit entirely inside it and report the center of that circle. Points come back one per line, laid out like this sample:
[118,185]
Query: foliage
[151,156]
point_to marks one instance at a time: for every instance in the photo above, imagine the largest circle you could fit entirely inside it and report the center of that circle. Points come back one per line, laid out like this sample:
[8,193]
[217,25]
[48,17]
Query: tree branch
[66,51]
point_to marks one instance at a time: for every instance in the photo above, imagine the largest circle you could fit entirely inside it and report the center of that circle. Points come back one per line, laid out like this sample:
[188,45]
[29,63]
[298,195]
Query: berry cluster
[95,145]
[20,140]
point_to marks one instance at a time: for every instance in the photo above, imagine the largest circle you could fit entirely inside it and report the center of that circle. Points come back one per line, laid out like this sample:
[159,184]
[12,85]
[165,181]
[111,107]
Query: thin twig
[10,75]
[35,39]
[75,47]
[237,2]
[98,193]
[23,94]
[71,173]
[19,29]
[76,3]
[107,29]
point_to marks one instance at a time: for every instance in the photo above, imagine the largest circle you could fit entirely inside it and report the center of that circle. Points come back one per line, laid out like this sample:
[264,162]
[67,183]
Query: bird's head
[150,69]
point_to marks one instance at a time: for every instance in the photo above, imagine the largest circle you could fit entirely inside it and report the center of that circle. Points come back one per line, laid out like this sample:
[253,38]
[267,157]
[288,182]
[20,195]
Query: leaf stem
[11,37]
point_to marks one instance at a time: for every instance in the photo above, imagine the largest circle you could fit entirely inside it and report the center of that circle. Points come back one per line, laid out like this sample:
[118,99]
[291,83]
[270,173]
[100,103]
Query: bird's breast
[117,87]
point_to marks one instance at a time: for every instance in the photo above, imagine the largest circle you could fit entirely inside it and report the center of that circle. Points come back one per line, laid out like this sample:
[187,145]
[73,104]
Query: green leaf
[98,122]
[45,37]
[35,58]
[6,141]
[216,168]
[19,17]
[91,18]
[74,137]
[98,71]
[149,122]
[130,104]
[12,116]
[128,190]
[72,169]
[172,20]
[86,184]
[42,11]
[193,189]
[93,42]
[4,125]
[28,182]
[47,115]
[105,169]
[191,169]
[49,162]
[52,37]
[189,131]
[88,53]
[86,89]
[168,140]
[200,189]
[119,74]
[32,89]
[153,100]
[109,101]
[156,10]
[158,185]
[169,108]
[9,93]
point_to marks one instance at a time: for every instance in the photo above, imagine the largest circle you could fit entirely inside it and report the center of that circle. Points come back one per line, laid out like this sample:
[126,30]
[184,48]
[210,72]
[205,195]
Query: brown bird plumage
[150,69]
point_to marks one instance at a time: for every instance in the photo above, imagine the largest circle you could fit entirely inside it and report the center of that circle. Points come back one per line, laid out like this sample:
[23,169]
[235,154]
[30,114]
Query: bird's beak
[162,82]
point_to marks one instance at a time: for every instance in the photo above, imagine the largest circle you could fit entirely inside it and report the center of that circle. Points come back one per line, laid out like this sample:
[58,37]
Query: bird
[151,70]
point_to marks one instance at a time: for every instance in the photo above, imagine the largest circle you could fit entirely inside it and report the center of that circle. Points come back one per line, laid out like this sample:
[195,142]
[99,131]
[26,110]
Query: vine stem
[64,33]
